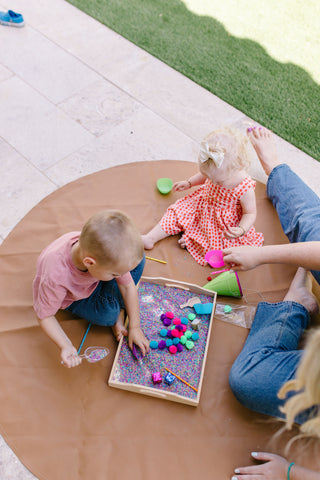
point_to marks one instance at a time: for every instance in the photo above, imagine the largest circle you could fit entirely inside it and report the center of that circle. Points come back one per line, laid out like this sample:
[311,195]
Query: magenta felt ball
[175,333]
[176,321]
[173,349]
[184,328]
[169,315]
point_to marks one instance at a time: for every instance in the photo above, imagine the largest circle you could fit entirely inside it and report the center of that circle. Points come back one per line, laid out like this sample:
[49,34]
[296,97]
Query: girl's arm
[197,179]
[131,300]
[249,214]
[303,254]
[274,468]
[52,328]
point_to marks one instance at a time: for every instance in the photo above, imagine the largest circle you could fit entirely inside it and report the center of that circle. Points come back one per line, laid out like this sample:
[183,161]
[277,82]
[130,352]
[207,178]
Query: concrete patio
[77,98]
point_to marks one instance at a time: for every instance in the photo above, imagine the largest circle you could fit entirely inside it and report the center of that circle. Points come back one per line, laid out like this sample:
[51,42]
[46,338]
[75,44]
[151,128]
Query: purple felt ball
[162,344]
[179,328]
[179,347]
[169,333]
[166,322]
[163,316]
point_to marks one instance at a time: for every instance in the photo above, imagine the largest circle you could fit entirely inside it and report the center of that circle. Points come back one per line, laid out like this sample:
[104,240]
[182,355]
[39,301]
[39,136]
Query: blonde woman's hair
[307,384]
[243,151]
[111,237]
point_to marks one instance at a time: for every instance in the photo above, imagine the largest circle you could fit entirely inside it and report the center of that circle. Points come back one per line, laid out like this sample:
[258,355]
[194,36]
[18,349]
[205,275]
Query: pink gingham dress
[204,215]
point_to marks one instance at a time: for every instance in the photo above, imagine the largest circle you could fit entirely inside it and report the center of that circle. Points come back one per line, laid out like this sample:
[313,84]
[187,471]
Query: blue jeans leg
[269,357]
[298,207]
[104,304]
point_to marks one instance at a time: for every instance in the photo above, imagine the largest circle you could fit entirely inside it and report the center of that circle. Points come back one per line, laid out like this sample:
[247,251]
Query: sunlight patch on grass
[288,29]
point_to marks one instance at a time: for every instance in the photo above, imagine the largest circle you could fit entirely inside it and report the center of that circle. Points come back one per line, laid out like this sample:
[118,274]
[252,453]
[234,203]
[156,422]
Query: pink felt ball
[169,315]
[173,349]
[184,328]
[175,332]
[176,321]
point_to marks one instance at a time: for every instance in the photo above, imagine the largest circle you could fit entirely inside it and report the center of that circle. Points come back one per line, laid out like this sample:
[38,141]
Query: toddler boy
[92,273]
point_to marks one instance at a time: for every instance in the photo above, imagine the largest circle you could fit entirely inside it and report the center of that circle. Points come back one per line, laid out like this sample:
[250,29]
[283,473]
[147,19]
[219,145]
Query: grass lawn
[262,57]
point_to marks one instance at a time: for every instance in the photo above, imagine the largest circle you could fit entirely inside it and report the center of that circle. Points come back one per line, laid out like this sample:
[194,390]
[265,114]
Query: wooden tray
[157,296]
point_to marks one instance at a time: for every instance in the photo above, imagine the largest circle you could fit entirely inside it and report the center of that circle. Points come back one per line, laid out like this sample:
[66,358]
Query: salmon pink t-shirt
[58,282]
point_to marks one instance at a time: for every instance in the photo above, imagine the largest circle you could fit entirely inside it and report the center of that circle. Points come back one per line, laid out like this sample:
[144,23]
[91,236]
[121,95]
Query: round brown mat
[68,424]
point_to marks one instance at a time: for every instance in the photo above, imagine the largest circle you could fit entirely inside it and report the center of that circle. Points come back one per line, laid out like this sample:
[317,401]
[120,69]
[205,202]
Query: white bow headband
[205,154]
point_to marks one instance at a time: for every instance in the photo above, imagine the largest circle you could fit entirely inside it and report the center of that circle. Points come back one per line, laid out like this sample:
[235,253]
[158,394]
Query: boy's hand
[70,357]
[137,336]
[241,258]
[180,186]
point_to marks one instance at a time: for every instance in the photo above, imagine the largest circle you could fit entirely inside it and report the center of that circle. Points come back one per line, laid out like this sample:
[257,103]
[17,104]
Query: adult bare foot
[263,143]
[119,330]
[300,291]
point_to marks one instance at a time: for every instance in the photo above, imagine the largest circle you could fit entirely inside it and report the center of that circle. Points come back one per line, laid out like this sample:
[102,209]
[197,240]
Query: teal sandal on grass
[11,18]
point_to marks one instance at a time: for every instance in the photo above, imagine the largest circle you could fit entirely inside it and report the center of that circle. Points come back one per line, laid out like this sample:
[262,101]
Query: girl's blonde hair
[241,159]
[111,238]
[307,384]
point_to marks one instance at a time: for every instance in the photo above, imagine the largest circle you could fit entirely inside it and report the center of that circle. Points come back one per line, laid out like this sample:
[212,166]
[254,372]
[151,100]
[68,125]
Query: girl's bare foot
[300,291]
[263,143]
[119,330]
[182,242]
[147,242]
[154,236]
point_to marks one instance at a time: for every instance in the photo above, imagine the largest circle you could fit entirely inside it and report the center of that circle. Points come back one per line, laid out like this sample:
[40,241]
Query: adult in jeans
[272,345]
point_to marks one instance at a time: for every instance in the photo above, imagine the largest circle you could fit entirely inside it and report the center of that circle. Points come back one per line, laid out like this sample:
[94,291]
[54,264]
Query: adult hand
[274,468]
[242,258]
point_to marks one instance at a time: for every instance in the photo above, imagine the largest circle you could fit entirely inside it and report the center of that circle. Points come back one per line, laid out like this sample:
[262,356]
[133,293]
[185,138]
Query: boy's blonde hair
[242,157]
[111,237]
[307,384]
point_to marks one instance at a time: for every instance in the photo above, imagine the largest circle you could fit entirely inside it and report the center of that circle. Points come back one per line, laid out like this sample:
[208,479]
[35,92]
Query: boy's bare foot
[119,330]
[263,143]
[300,291]
[154,236]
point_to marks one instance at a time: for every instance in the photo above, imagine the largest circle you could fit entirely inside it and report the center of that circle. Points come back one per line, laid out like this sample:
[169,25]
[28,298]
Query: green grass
[281,94]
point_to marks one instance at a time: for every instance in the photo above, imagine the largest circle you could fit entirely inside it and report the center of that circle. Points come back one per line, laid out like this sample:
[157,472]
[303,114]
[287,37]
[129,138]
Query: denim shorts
[298,207]
[104,304]
[270,356]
